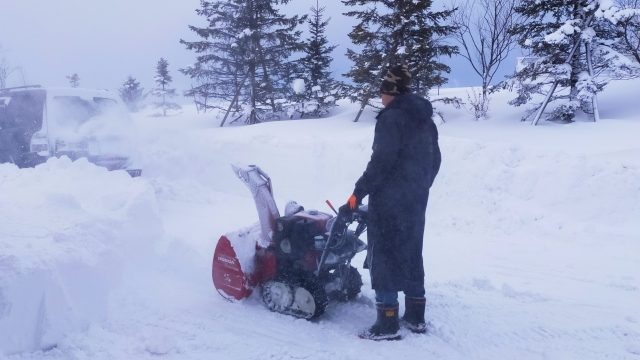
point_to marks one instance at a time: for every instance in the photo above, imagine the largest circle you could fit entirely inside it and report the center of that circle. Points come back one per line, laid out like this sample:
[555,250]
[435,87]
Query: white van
[37,123]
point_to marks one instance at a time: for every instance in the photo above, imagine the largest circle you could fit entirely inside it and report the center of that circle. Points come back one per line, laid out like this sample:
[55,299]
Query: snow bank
[68,230]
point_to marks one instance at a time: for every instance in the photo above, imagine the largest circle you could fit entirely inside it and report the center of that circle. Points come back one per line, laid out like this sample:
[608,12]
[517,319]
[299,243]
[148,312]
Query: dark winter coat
[404,163]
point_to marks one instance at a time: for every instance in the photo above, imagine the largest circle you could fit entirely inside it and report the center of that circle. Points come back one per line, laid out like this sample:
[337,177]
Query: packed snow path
[532,245]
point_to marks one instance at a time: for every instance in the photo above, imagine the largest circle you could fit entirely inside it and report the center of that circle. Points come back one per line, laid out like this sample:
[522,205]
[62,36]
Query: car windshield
[70,112]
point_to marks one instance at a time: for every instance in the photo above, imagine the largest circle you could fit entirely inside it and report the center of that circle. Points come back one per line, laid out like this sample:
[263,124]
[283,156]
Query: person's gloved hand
[352,202]
[344,210]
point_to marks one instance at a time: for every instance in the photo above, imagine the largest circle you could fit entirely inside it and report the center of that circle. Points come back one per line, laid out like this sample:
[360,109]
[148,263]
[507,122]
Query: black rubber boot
[413,318]
[386,326]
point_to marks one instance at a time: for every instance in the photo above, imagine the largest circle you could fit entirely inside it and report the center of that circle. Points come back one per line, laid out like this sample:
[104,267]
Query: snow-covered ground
[532,246]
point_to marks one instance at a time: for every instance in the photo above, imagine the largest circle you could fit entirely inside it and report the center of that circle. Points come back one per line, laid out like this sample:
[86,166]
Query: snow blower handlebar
[340,223]
[331,206]
[346,216]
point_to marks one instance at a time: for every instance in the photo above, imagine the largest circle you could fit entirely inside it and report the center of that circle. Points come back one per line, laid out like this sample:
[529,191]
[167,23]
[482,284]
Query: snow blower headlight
[285,246]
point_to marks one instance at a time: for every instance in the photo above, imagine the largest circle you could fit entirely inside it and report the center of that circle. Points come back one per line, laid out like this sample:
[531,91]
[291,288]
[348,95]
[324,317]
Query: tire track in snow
[484,322]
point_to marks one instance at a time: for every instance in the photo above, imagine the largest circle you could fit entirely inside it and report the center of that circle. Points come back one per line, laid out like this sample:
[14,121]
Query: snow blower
[299,261]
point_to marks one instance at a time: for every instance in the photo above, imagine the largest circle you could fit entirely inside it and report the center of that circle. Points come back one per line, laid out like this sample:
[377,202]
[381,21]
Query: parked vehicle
[37,123]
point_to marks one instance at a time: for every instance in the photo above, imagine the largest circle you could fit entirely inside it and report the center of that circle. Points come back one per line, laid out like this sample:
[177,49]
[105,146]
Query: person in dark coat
[404,163]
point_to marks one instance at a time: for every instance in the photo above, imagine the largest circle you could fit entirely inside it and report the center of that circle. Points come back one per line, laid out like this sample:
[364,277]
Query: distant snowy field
[532,246]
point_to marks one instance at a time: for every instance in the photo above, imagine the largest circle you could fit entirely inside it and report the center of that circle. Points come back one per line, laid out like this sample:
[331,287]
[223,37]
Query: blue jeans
[390,298]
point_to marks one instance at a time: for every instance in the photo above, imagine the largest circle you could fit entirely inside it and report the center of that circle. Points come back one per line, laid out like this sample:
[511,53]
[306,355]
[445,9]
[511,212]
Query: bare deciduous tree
[5,71]
[483,34]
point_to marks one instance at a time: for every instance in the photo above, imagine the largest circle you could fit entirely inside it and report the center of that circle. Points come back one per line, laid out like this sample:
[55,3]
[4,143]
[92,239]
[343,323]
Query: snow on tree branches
[572,47]
[628,29]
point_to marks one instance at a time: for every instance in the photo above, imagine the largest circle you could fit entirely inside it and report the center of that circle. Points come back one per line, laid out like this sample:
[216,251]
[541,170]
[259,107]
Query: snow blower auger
[299,261]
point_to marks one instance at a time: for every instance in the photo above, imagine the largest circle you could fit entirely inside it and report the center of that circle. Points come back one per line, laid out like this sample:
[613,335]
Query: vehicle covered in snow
[37,123]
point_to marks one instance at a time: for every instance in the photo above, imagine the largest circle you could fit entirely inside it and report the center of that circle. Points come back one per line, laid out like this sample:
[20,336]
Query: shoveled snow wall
[68,233]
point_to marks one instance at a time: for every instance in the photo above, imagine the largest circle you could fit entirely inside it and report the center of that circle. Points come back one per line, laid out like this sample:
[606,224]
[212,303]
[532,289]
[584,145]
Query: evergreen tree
[74,80]
[162,90]
[570,43]
[628,29]
[243,56]
[131,93]
[321,90]
[395,32]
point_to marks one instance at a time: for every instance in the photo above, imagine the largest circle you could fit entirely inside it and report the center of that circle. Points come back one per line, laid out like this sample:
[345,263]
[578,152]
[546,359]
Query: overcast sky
[105,41]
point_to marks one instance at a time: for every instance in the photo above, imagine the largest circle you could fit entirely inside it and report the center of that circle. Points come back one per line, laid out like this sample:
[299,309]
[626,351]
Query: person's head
[396,82]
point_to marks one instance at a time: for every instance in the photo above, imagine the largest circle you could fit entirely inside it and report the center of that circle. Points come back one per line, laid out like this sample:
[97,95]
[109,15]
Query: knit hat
[397,81]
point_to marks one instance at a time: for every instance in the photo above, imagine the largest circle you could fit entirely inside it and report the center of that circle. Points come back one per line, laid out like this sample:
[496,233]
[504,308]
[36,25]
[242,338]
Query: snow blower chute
[298,261]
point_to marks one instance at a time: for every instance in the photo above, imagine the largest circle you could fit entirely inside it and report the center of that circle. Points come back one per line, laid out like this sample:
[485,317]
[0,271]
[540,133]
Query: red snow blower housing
[299,261]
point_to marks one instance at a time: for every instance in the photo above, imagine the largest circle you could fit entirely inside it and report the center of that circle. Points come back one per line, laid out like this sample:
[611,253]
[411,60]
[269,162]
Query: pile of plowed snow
[68,230]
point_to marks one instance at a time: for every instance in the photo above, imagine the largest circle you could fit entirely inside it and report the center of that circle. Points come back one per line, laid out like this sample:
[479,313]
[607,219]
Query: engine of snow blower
[300,260]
